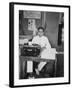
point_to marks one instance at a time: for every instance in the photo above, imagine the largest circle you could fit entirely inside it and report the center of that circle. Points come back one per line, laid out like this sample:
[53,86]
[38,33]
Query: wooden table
[23,60]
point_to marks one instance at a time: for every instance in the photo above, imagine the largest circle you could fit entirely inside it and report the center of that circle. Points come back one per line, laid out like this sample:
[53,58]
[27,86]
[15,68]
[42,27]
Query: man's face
[40,32]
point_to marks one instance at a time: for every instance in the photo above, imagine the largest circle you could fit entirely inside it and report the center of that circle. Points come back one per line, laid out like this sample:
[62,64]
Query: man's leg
[40,66]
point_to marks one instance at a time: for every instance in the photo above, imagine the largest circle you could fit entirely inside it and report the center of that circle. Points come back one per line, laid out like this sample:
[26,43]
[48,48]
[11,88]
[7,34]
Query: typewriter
[30,50]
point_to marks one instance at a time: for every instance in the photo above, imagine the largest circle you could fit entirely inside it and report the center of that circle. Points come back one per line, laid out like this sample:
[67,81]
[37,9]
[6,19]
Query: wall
[52,19]
[24,24]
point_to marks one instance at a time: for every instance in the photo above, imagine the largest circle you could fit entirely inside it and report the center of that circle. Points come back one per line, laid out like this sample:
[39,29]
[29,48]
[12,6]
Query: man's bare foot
[37,71]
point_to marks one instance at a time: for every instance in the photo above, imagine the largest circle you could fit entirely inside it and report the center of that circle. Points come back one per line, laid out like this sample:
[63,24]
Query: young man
[43,41]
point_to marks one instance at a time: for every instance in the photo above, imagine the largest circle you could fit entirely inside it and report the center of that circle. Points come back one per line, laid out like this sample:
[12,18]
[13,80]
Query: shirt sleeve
[34,40]
[48,46]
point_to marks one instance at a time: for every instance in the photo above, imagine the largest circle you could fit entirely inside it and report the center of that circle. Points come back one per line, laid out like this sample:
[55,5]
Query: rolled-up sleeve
[34,40]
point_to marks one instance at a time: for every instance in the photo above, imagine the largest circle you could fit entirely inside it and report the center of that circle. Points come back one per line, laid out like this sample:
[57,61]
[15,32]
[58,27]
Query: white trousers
[41,65]
[30,66]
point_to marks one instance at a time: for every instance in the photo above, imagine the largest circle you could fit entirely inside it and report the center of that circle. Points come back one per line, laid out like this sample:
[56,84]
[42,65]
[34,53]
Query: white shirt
[43,42]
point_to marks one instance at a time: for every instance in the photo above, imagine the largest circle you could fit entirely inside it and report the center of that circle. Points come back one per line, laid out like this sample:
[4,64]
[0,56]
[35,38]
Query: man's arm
[48,46]
[34,40]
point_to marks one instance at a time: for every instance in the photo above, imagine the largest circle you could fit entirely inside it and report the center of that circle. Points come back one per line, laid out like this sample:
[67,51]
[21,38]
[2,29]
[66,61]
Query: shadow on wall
[52,22]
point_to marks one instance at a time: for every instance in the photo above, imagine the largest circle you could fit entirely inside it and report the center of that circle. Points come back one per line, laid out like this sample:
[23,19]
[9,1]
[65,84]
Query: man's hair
[40,28]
